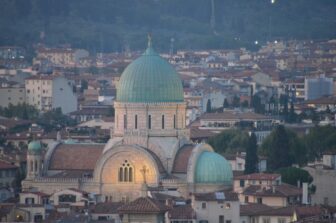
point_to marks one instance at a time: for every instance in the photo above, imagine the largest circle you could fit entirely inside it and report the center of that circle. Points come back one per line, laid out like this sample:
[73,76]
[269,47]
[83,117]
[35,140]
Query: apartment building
[50,92]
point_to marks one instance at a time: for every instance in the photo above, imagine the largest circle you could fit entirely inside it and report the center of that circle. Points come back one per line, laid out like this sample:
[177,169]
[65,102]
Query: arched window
[163,120]
[149,121]
[126,172]
[136,122]
[35,166]
[121,174]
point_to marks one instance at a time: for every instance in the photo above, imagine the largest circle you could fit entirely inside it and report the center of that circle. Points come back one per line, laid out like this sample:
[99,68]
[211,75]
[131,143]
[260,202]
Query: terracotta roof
[75,156]
[258,176]
[228,196]
[12,122]
[308,211]
[106,208]
[322,101]
[230,115]
[253,208]
[196,133]
[41,194]
[182,158]
[185,212]
[283,211]
[4,165]
[283,190]
[143,205]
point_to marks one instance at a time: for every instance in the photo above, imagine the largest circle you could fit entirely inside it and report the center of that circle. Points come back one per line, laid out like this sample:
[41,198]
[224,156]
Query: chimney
[305,193]
[298,184]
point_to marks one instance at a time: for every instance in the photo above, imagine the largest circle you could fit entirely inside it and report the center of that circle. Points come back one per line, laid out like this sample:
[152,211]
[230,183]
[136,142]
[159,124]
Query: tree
[229,141]
[251,161]
[292,175]
[226,103]
[319,140]
[84,85]
[208,106]
[236,101]
[291,116]
[277,149]
[257,105]
[284,104]
[245,104]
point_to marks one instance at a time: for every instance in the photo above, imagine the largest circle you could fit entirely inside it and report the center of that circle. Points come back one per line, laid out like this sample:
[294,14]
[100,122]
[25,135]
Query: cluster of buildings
[157,114]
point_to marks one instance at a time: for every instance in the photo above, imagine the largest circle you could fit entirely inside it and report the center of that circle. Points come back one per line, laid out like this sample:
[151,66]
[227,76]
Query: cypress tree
[279,150]
[208,106]
[251,160]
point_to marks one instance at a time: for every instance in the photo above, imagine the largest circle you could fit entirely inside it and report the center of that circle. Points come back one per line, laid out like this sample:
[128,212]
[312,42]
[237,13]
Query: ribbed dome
[34,146]
[150,78]
[213,168]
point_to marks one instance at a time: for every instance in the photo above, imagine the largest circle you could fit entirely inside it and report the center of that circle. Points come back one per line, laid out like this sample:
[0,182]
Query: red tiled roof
[230,115]
[283,190]
[4,165]
[258,176]
[41,194]
[185,212]
[143,205]
[228,196]
[75,156]
[253,208]
[284,211]
[182,158]
[308,211]
[106,208]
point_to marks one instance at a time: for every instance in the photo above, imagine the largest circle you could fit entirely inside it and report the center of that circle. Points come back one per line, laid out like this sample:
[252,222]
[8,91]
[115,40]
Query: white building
[12,95]
[318,87]
[222,207]
[50,92]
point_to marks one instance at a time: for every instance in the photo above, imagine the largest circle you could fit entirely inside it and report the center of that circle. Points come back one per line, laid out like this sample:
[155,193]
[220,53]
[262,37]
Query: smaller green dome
[34,146]
[212,168]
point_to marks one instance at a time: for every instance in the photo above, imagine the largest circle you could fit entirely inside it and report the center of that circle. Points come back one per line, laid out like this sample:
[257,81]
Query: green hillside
[109,25]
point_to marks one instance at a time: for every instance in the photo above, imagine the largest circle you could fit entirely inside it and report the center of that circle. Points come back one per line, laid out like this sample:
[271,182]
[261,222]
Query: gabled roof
[143,205]
[185,212]
[308,211]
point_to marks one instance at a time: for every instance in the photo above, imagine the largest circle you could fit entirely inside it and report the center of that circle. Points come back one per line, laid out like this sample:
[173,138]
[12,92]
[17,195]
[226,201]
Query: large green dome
[213,168]
[150,78]
[34,146]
